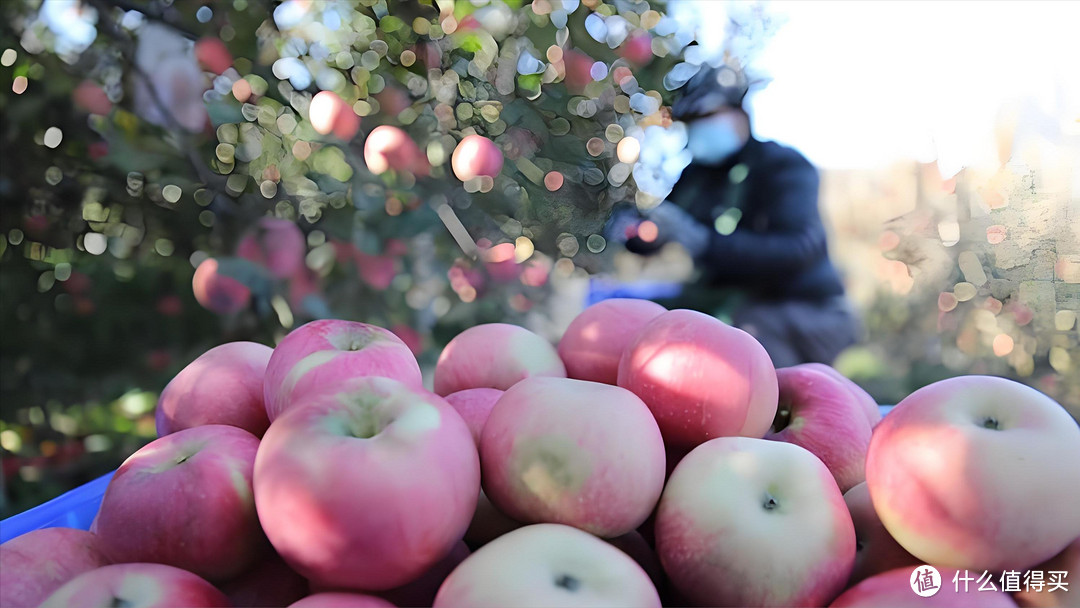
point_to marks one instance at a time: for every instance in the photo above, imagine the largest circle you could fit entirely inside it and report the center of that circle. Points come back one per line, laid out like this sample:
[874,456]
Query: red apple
[634,544]
[962,472]
[875,550]
[340,599]
[866,402]
[185,500]
[329,113]
[893,589]
[368,487]
[488,523]
[224,385]
[137,585]
[388,147]
[584,454]
[89,96]
[476,156]
[474,405]
[37,563]
[500,263]
[1067,561]
[578,70]
[494,355]
[320,356]
[547,565]
[213,55]
[217,292]
[637,49]
[820,414]
[677,363]
[595,340]
[378,271]
[750,522]
[276,244]
[271,582]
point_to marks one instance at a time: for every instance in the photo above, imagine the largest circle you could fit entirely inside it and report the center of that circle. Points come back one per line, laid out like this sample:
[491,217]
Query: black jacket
[778,248]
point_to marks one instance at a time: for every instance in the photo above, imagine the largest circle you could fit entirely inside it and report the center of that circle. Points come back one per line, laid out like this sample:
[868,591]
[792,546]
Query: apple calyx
[770,503]
[990,422]
[567,582]
[119,602]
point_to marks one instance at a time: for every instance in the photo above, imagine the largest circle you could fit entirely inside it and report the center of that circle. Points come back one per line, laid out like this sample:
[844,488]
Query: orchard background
[143,138]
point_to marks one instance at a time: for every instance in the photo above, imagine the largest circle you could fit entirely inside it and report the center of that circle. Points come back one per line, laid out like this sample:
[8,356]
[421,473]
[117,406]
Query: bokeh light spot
[53,137]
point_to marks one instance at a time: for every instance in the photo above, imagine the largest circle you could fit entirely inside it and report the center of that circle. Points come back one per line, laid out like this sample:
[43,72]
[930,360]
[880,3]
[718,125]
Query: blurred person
[747,212]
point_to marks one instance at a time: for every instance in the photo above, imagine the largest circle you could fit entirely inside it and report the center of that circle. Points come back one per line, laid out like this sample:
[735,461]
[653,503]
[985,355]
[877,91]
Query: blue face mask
[712,141]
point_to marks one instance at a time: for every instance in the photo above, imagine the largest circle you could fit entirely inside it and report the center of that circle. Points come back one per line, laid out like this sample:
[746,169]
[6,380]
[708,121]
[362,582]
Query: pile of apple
[653,456]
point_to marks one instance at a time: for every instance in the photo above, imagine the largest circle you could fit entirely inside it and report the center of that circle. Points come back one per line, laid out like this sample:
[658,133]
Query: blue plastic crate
[603,289]
[74,509]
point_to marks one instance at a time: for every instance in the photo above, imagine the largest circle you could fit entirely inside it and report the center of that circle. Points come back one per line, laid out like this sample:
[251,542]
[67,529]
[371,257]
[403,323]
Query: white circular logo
[925,581]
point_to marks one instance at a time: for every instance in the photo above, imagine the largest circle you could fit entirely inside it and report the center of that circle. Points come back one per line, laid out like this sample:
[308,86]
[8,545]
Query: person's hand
[676,225]
[622,225]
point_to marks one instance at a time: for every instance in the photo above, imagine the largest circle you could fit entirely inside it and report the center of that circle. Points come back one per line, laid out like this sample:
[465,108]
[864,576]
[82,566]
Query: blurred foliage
[144,137]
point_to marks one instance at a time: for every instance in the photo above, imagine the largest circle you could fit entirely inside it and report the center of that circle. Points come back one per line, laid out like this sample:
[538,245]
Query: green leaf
[391,23]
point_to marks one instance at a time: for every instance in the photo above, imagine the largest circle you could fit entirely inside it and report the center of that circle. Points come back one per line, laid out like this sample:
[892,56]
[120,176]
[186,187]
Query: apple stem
[782,419]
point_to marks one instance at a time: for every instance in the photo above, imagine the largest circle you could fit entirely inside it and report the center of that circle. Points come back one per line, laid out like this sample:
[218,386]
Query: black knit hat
[711,89]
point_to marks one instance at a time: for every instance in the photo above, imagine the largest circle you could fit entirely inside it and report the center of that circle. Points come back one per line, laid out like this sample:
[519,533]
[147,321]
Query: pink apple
[137,585]
[750,522]
[595,340]
[368,487]
[474,405]
[422,590]
[488,523]
[338,599]
[89,96]
[388,147]
[1067,561]
[476,156]
[213,55]
[329,113]
[820,414]
[319,356]
[37,563]
[494,355]
[876,551]
[962,473]
[186,500]
[701,378]
[547,565]
[217,292]
[866,402]
[584,454]
[893,589]
[224,385]
[271,582]
[276,244]
[412,338]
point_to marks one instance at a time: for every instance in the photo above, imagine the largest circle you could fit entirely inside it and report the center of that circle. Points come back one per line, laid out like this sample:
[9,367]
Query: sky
[865,84]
